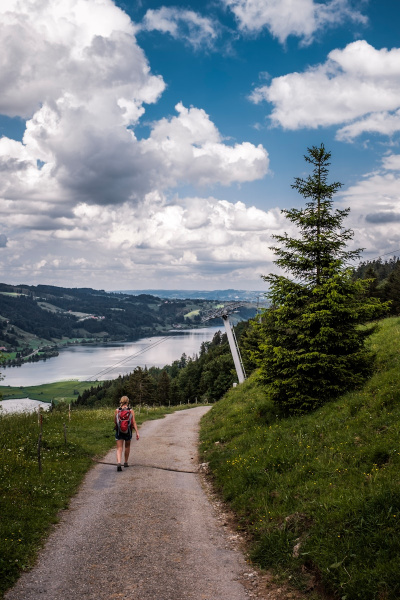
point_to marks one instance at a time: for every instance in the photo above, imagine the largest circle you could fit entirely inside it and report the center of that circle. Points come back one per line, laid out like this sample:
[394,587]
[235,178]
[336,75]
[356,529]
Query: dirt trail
[143,534]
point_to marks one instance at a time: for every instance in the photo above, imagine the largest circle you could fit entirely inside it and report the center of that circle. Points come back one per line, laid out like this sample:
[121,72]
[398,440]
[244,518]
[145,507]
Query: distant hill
[226,295]
[41,316]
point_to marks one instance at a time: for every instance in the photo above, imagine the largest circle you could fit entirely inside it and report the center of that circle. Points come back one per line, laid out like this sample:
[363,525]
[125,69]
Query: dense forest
[385,280]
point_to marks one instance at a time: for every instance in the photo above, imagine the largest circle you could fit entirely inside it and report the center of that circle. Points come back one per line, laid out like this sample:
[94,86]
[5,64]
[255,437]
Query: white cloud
[301,18]
[75,71]
[358,85]
[385,123]
[81,198]
[375,208]
[191,148]
[192,239]
[81,82]
[81,46]
[181,24]
[392,162]
[92,161]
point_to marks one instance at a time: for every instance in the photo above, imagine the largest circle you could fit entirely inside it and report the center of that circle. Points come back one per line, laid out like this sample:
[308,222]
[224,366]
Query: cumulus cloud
[375,208]
[358,85]
[191,148]
[186,25]
[385,123]
[383,217]
[84,160]
[76,72]
[191,239]
[81,197]
[391,162]
[48,47]
[300,18]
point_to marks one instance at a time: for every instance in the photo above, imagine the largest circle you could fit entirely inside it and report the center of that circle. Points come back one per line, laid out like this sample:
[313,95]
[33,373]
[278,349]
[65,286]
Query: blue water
[108,361]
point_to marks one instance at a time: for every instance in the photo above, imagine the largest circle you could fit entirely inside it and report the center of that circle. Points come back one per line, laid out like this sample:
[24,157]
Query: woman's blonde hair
[124,401]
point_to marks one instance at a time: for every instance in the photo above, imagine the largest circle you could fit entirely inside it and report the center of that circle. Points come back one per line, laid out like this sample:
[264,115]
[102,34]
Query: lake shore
[51,350]
[98,362]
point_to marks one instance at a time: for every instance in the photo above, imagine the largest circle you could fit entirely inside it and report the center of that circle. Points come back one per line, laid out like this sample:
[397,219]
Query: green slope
[66,391]
[320,494]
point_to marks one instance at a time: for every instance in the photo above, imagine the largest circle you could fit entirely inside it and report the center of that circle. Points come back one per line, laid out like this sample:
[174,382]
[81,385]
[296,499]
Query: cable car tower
[224,313]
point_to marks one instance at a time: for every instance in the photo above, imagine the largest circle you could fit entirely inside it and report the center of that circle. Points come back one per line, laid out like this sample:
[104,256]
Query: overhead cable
[124,360]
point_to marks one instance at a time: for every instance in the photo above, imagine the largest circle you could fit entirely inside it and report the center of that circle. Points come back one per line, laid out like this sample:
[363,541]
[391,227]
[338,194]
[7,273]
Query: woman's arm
[134,424]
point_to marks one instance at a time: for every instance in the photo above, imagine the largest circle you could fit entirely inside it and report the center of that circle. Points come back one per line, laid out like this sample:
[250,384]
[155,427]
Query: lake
[25,405]
[108,361]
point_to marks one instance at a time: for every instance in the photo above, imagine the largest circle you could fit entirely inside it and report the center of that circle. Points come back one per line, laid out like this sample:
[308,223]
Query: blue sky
[150,144]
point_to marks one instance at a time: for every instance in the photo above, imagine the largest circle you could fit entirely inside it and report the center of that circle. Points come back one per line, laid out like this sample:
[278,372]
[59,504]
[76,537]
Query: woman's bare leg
[120,445]
[127,450]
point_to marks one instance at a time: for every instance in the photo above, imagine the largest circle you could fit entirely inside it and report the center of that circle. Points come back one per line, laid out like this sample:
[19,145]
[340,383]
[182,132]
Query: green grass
[31,501]
[324,487]
[12,294]
[61,390]
[192,313]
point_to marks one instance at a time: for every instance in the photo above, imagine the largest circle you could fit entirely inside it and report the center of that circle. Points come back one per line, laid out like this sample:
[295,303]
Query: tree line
[384,280]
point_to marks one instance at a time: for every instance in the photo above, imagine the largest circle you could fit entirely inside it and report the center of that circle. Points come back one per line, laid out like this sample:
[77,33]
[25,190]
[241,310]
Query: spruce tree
[140,387]
[163,389]
[392,290]
[312,347]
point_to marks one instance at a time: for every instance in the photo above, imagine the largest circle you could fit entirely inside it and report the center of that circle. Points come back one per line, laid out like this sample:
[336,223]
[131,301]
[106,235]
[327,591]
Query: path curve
[143,534]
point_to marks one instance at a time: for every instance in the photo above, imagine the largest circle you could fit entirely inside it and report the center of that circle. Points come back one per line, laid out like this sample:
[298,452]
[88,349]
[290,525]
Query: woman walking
[124,419]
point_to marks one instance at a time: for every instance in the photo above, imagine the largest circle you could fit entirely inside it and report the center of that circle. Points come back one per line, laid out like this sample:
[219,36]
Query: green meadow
[67,391]
[319,494]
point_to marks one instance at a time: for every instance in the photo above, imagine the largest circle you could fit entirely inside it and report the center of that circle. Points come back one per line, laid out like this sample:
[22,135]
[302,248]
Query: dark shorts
[123,436]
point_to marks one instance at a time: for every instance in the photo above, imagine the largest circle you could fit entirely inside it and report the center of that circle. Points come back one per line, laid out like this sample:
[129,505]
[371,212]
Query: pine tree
[320,250]
[392,290]
[175,393]
[373,289]
[312,347]
[163,389]
[140,387]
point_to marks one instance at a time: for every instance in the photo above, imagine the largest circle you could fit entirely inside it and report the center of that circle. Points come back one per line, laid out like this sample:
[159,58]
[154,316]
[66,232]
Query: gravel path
[143,534]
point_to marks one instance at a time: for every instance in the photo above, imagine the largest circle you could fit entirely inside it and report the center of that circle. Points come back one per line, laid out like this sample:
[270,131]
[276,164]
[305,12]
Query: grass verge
[67,391]
[319,494]
[30,501]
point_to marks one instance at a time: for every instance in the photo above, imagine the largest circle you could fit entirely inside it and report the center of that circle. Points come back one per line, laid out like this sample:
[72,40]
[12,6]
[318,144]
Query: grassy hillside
[66,391]
[320,494]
